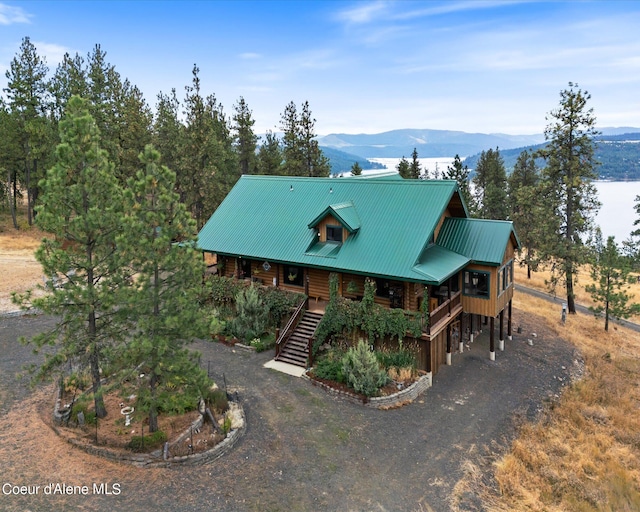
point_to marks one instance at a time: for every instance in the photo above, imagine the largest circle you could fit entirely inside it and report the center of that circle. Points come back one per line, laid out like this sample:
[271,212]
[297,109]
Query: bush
[329,367]
[401,358]
[150,442]
[82,406]
[251,314]
[217,400]
[362,370]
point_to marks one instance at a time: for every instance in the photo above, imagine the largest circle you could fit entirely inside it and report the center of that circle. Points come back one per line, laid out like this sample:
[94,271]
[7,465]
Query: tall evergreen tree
[270,158]
[81,207]
[70,79]
[491,186]
[524,206]
[291,148]
[415,170]
[610,274]
[28,102]
[631,246]
[403,168]
[208,166]
[460,173]
[245,140]
[164,298]
[168,133]
[314,161]
[356,170]
[570,198]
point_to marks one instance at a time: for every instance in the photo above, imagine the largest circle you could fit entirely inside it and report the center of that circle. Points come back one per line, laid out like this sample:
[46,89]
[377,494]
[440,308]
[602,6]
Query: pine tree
[270,158]
[168,133]
[245,141]
[491,186]
[610,273]
[524,206]
[300,150]
[356,170]
[414,167]
[567,190]
[81,208]
[456,171]
[403,168]
[158,242]
[315,163]
[28,102]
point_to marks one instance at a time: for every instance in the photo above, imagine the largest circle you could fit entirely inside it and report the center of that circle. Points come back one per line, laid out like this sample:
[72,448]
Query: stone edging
[393,401]
[155,459]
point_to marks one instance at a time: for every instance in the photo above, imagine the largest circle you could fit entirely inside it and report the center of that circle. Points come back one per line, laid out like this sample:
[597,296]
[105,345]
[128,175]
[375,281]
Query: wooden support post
[509,327]
[449,345]
[428,367]
[471,324]
[492,345]
[501,338]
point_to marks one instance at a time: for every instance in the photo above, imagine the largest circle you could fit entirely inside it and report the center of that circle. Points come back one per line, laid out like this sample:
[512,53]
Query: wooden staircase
[295,348]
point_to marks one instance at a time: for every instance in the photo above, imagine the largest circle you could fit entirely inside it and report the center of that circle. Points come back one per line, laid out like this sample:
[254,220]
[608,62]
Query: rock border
[403,397]
[156,459]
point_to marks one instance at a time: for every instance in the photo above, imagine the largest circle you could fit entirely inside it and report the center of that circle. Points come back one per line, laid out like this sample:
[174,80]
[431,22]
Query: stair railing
[289,328]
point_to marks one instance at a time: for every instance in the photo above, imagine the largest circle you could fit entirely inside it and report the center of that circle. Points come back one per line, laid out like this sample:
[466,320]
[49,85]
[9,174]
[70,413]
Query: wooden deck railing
[444,310]
[289,328]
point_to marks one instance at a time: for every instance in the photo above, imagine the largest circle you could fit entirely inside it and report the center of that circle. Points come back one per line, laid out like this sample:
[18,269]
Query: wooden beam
[509,327]
[449,345]
[501,338]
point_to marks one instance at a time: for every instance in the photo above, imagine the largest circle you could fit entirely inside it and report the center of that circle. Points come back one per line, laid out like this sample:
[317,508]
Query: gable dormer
[333,226]
[336,222]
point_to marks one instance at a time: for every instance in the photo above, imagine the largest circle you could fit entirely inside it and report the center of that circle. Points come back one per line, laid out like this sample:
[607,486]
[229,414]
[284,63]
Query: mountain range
[618,149]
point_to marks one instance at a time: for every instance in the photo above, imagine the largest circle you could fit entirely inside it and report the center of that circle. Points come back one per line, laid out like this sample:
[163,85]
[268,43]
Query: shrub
[329,367]
[251,314]
[401,358]
[150,442]
[82,406]
[217,400]
[362,370]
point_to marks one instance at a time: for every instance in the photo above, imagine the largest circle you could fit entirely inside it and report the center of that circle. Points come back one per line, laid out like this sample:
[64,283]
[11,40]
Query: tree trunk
[571,304]
[13,200]
[153,412]
[27,172]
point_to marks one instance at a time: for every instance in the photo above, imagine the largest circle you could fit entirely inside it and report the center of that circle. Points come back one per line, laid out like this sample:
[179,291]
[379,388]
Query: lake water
[615,217]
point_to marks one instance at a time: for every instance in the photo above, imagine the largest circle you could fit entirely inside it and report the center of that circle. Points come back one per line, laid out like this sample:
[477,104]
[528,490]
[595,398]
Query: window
[334,234]
[476,284]
[505,276]
[293,275]
[382,288]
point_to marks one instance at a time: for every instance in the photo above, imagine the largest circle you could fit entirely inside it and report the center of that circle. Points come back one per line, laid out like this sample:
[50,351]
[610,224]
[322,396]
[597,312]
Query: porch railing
[444,310]
[290,327]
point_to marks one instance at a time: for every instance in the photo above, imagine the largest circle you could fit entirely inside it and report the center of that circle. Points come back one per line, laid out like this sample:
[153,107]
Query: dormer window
[334,234]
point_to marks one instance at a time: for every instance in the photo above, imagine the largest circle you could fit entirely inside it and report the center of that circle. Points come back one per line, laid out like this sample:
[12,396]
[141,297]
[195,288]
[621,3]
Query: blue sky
[365,67]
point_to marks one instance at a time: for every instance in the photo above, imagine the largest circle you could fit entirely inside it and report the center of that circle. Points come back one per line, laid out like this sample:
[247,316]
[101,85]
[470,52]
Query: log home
[414,238]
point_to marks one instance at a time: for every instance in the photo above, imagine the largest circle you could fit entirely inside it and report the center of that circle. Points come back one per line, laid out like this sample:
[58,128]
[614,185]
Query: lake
[615,217]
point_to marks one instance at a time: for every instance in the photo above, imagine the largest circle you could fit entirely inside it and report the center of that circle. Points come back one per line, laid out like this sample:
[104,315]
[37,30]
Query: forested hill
[619,156]
[342,162]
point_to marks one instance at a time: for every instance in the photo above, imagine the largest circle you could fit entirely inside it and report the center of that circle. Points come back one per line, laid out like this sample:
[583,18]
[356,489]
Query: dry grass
[584,453]
[538,281]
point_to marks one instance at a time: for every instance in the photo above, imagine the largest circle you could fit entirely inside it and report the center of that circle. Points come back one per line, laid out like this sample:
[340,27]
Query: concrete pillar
[501,338]
[509,325]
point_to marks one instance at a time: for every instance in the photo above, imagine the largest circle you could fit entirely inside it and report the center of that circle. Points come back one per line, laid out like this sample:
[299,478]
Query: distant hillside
[342,162]
[619,155]
[428,143]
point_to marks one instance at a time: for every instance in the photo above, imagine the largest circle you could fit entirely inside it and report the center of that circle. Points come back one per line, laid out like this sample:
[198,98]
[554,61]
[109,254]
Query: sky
[365,67]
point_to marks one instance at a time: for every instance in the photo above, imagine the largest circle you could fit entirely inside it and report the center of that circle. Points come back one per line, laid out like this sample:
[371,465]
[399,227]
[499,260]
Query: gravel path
[303,450]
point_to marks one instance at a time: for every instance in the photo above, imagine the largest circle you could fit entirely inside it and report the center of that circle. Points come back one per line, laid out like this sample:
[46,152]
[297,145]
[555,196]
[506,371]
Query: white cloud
[249,55]
[363,13]
[52,52]
[10,15]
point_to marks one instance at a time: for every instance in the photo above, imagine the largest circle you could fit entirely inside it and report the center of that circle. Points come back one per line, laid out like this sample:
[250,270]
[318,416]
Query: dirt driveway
[303,450]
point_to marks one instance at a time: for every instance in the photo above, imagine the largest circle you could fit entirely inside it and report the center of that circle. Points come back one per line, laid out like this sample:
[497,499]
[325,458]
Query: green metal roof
[345,213]
[437,264]
[480,240]
[268,218]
